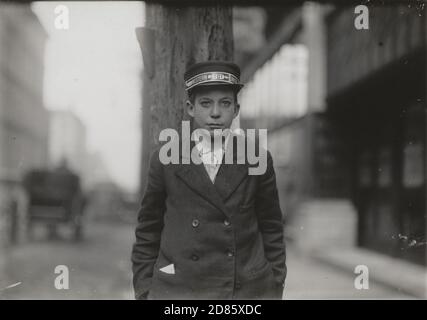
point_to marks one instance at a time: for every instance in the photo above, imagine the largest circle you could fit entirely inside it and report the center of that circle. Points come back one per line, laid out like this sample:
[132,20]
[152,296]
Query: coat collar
[227,180]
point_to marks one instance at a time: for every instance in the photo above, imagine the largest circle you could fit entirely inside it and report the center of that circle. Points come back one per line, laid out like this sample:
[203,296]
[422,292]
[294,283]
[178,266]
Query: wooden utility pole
[173,38]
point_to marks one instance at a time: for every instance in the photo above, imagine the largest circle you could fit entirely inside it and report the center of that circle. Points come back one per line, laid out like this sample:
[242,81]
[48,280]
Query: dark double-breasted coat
[224,239]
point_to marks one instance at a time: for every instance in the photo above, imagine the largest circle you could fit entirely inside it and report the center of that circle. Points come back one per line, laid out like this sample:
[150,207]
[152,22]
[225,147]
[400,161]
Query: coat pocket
[247,207]
[260,284]
[165,269]
[165,286]
[165,277]
[261,271]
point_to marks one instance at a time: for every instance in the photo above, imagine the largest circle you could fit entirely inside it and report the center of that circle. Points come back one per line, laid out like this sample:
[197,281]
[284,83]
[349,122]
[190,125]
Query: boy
[209,230]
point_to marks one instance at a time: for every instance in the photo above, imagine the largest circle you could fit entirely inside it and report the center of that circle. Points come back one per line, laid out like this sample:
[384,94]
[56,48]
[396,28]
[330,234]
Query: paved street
[100,269]
[99,266]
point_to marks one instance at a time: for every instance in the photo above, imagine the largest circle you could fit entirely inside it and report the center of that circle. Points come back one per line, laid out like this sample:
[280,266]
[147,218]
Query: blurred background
[81,106]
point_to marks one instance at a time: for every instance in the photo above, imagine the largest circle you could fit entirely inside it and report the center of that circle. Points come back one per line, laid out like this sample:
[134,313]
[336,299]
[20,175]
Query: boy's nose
[215,113]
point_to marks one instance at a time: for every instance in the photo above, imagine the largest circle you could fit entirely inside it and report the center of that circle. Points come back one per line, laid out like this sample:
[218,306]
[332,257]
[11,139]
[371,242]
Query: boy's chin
[218,132]
[213,131]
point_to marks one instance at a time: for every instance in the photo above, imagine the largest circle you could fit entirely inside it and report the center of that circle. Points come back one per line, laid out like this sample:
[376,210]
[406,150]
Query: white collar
[206,146]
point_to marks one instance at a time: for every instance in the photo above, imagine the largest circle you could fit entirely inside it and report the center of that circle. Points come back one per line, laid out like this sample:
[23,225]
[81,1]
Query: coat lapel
[196,177]
[230,176]
[227,180]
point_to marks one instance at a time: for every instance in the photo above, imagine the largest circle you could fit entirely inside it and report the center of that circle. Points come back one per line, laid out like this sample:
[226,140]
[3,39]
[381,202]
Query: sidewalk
[314,277]
[322,239]
[392,272]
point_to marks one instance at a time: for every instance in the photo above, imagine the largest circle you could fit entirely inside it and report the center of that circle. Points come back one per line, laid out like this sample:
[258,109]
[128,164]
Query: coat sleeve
[148,231]
[270,222]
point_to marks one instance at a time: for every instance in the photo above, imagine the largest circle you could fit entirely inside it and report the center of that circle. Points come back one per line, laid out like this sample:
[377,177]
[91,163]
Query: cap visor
[235,86]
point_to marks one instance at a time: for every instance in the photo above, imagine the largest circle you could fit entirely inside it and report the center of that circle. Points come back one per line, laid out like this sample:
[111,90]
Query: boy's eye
[226,103]
[205,103]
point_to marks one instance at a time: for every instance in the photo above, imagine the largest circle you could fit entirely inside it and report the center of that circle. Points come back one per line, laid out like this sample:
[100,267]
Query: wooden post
[425,132]
[175,37]
[145,38]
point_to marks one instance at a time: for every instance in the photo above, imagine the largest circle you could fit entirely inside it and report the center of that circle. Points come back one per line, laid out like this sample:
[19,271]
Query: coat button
[238,285]
[195,223]
[226,223]
[230,253]
[194,257]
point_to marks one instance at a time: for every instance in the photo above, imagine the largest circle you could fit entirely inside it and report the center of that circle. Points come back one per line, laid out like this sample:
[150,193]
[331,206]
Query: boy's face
[214,107]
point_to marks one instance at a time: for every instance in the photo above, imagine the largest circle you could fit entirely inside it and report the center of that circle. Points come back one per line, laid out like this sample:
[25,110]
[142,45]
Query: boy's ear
[190,108]
[236,110]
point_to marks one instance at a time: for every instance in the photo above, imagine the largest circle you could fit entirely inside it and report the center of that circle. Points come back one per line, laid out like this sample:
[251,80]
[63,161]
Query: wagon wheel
[30,230]
[78,228]
[52,231]
[77,220]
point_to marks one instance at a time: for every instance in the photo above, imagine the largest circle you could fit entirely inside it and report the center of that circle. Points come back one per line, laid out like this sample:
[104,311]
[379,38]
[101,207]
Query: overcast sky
[93,69]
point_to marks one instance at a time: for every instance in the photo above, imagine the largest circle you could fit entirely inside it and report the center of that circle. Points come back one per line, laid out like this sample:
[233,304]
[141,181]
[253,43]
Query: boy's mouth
[215,126]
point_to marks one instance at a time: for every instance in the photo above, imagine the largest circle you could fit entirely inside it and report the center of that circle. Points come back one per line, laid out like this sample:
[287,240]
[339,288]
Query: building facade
[352,162]
[67,141]
[376,99]
[23,118]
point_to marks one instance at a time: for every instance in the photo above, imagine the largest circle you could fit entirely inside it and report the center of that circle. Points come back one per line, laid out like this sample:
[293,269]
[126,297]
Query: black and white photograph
[213,150]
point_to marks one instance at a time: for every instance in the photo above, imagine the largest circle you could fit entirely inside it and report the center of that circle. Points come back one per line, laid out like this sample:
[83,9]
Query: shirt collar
[205,146]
